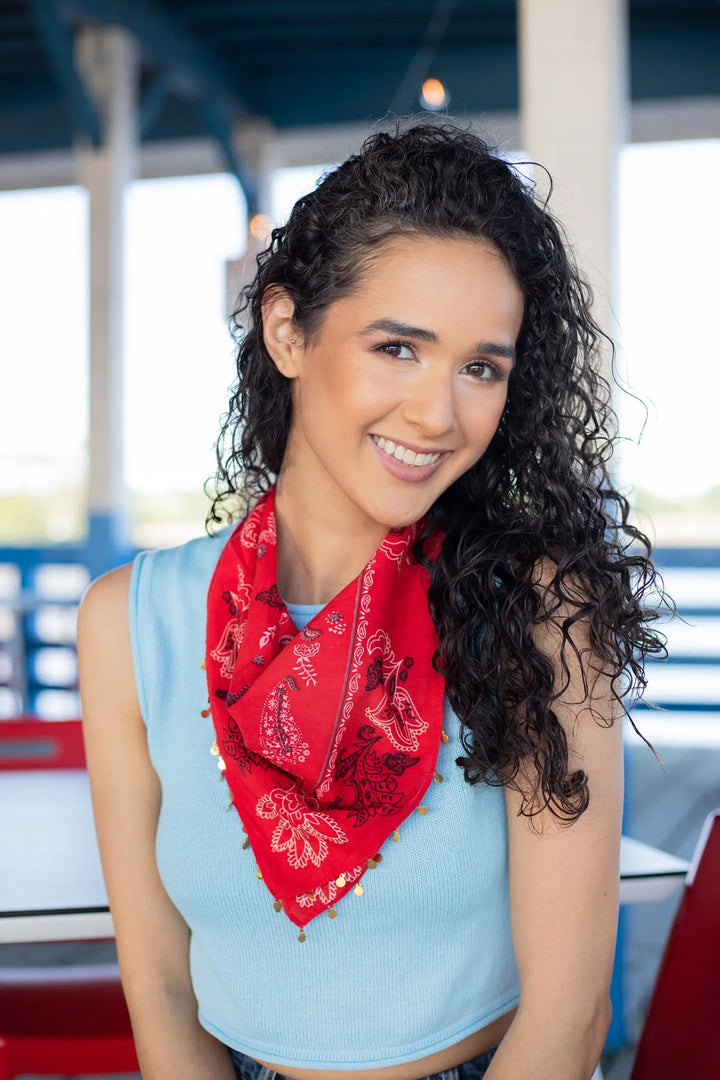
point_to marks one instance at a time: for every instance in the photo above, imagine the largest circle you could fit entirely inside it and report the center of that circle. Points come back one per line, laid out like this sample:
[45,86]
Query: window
[670,236]
[44,350]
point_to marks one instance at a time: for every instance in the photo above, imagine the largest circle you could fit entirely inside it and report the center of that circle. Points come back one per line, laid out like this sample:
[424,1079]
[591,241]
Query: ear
[282,341]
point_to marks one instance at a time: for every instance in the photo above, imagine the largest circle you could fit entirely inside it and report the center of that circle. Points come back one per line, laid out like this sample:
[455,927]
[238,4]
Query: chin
[397,519]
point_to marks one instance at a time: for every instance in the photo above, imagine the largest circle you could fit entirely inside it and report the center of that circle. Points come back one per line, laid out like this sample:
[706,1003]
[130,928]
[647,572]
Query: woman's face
[402,388]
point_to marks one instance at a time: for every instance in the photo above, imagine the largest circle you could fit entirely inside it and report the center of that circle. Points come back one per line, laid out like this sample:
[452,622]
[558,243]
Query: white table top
[647,873]
[51,885]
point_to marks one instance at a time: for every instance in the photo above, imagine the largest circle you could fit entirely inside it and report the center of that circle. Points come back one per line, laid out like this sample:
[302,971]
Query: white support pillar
[255,140]
[573,94]
[573,101]
[107,61]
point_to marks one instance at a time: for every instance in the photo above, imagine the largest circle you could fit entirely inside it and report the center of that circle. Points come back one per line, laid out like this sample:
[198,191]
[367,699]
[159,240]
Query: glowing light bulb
[261,226]
[434,96]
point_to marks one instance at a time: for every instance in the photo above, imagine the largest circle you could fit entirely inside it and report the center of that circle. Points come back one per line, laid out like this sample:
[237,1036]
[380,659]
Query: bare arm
[152,936]
[564,885]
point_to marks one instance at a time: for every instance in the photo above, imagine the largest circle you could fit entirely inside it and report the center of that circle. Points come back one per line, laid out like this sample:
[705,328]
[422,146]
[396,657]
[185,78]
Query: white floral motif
[250,528]
[396,547]
[243,592]
[305,650]
[252,537]
[336,623]
[303,830]
[325,894]
[227,649]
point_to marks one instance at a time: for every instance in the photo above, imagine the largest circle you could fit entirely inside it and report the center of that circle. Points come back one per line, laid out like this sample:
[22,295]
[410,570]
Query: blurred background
[147,147]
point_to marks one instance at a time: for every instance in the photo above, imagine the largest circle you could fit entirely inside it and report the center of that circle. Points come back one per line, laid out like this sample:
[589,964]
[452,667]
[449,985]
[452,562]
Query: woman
[404,665]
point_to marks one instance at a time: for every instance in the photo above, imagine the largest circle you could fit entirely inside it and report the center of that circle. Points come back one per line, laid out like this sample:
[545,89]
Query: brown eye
[484,370]
[392,348]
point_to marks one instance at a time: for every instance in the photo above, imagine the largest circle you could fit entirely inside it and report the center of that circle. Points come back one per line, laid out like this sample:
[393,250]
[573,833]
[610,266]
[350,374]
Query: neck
[321,546]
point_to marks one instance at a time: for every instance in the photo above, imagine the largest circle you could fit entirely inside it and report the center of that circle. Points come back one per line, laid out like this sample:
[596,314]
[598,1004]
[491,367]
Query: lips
[413,456]
[400,469]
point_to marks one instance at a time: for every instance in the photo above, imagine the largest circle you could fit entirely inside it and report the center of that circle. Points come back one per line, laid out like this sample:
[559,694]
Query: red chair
[64,1021]
[59,1020]
[681,1035]
[28,743]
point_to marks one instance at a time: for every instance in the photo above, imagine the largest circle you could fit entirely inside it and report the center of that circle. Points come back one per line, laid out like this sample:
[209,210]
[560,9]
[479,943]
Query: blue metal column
[617,1035]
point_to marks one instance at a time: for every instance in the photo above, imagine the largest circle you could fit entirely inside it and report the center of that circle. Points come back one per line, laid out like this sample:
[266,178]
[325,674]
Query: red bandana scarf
[328,736]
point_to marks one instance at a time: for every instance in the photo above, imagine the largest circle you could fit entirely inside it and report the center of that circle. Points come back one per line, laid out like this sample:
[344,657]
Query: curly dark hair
[541,495]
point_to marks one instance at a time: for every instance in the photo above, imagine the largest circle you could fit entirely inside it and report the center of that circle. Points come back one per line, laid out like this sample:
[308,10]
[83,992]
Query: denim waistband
[246,1068]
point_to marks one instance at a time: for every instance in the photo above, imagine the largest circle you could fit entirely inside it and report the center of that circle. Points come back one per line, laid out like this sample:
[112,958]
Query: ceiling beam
[197,69]
[188,69]
[58,42]
[152,102]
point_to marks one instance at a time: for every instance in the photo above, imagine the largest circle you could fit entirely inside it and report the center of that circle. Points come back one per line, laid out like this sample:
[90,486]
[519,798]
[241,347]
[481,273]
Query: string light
[261,226]
[434,96]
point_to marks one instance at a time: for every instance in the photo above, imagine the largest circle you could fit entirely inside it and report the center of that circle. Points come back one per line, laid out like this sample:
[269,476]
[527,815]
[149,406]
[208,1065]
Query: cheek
[355,394]
[481,420]
[335,400]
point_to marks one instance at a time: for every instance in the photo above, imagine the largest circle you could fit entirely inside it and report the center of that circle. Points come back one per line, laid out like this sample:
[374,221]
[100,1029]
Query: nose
[430,404]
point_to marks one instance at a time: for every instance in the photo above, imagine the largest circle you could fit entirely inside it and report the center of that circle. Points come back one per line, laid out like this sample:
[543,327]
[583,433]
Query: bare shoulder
[107,596]
[104,648]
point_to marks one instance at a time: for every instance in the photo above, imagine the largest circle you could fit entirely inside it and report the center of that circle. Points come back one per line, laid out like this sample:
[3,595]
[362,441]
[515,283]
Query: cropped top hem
[279,1055]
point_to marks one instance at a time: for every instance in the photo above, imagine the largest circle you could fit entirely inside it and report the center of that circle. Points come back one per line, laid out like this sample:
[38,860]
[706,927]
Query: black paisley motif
[398,762]
[375,674]
[230,697]
[233,746]
[373,777]
[228,598]
[407,664]
[271,597]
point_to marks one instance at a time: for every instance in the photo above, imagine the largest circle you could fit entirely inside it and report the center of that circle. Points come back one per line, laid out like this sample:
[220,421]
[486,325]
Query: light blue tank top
[421,960]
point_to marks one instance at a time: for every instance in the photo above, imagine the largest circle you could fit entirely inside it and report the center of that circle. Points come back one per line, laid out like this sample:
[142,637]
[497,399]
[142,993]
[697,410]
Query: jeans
[248,1069]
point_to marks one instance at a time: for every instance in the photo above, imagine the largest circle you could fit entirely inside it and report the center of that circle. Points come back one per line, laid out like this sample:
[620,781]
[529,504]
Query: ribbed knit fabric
[421,960]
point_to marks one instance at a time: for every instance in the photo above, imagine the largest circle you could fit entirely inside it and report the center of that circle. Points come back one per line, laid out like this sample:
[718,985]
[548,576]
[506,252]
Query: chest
[447,860]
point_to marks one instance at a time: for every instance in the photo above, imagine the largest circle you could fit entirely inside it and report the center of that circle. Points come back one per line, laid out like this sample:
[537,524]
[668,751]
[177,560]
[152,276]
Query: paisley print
[373,777]
[395,712]
[328,736]
[303,831]
[280,737]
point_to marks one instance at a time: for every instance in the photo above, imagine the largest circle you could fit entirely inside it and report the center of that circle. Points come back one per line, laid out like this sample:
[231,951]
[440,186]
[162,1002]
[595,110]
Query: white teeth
[403,453]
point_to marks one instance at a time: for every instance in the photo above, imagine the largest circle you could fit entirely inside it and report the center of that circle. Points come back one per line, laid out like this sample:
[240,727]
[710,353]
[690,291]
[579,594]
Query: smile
[404,453]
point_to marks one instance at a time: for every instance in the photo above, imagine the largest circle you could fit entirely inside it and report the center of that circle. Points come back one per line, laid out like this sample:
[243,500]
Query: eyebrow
[420,333]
